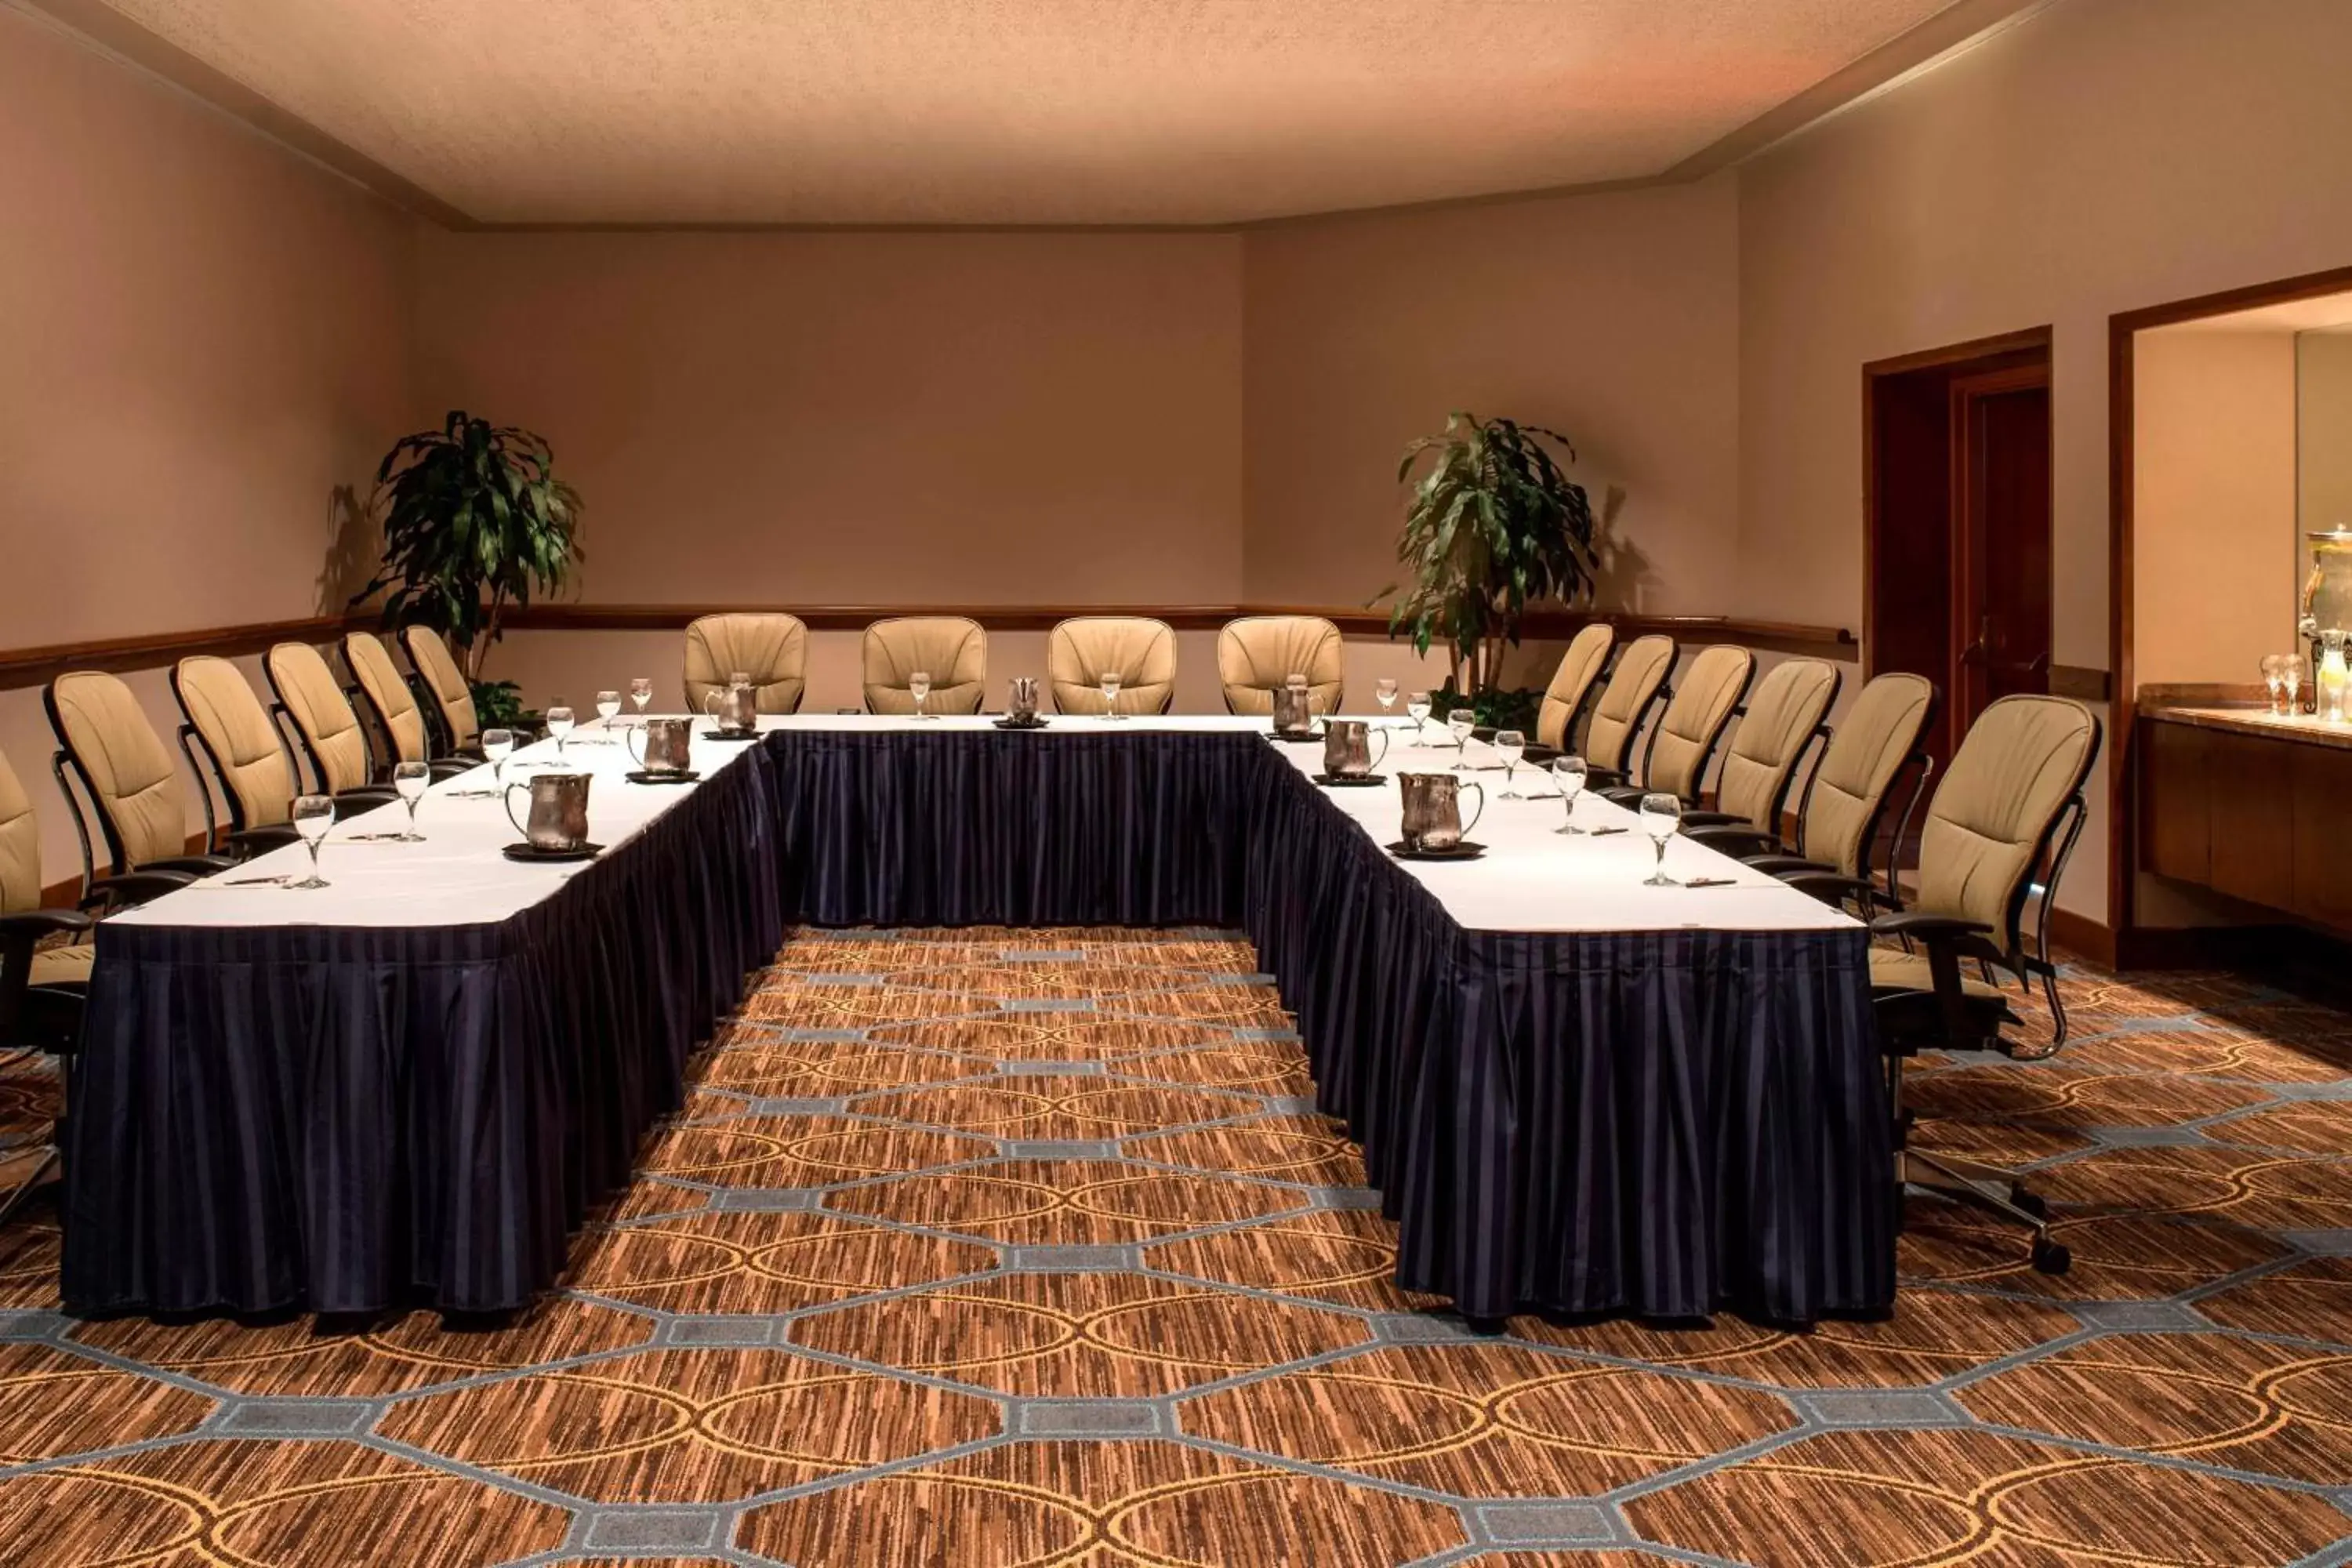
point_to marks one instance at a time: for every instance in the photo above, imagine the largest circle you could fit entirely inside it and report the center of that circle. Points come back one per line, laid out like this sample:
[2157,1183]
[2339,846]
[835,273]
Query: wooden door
[2001,538]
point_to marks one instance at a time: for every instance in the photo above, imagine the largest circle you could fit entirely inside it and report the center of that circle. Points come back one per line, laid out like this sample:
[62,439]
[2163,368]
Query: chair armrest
[251,841]
[1781,865]
[1832,888]
[1597,779]
[39,923]
[132,888]
[441,768]
[202,864]
[1712,819]
[1623,794]
[367,797]
[1739,841]
[1927,927]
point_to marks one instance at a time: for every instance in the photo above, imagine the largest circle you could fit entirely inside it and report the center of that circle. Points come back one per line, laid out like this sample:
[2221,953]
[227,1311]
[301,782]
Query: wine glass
[1662,818]
[409,780]
[608,708]
[559,724]
[498,745]
[1460,721]
[1511,745]
[1570,773]
[313,816]
[2274,679]
[1110,693]
[1385,689]
[919,687]
[641,692]
[1416,707]
[2291,677]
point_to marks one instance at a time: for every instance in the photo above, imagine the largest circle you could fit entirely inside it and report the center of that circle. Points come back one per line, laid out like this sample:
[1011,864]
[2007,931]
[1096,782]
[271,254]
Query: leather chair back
[951,649]
[1694,722]
[445,679]
[1634,684]
[772,649]
[1785,710]
[1140,651]
[20,846]
[132,780]
[1257,654]
[1991,818]
[1571,683]
[246,753]
[1878,735]
[306,688]
[386,691]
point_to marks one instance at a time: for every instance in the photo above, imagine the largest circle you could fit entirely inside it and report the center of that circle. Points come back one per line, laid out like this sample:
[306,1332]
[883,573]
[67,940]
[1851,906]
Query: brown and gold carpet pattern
[1027,1249]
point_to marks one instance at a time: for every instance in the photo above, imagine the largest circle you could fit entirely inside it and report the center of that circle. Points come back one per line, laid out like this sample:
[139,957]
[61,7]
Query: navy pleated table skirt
[352,1120]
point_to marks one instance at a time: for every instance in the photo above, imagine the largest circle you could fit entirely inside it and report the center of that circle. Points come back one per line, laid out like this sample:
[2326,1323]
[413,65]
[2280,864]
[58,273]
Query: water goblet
[313,816]
[1662,818]
[608,708]
[1570,773]
[2291,677]
[919,687]
[641,692]
[1385,689]
[1510,745]
[1460,721]
[559,724]
[1110,693]
[2275,681]
[498,745]
[1416,708]
[409,781]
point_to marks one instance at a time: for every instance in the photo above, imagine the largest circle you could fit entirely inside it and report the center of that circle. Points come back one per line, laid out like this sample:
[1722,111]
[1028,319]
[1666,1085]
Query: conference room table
[1575,1093]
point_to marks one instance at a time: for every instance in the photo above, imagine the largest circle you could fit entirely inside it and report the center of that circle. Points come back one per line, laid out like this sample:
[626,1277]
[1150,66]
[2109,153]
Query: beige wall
[861,418]
[1611,317]
[206,337]
[2213,535]
[2098,157]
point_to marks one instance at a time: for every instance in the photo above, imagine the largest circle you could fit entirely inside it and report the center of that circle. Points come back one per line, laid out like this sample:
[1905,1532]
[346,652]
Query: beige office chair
[952,650]
[1880,743]
[1782,718]
[393,706]
[1257,654]
[1996,836]
[772,649]
[1572,685]
[1637,681]
[447,697]
[127,777]
[235,749]
[1682,744]
[1140,651]
[332,742]
[42,988]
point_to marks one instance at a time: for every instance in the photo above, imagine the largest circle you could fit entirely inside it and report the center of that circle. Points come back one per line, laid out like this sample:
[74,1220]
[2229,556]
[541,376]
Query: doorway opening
[1956,507]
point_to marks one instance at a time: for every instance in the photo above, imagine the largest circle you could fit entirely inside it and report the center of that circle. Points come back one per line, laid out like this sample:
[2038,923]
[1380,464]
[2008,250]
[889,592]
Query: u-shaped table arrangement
[1575,1093]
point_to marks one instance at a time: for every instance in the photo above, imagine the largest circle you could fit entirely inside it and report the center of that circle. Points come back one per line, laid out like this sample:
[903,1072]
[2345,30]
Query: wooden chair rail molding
[22,668]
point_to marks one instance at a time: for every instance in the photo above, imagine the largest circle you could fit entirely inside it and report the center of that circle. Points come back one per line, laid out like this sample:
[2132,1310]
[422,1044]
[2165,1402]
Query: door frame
[2132,946]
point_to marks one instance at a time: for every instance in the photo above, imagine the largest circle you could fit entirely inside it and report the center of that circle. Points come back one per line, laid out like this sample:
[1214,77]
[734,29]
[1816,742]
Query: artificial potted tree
[1492,525]
[475,523]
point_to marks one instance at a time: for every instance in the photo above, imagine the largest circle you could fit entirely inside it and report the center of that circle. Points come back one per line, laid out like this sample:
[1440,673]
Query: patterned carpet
[1026,1248]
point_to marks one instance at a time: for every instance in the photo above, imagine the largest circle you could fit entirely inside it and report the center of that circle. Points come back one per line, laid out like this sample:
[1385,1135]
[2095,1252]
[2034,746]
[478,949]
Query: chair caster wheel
[2051,1257]
[2031,1203]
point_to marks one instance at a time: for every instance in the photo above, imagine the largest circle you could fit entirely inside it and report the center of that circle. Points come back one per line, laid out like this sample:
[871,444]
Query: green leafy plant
[1500,707]
[499,705]
[1492,525]
[474,523]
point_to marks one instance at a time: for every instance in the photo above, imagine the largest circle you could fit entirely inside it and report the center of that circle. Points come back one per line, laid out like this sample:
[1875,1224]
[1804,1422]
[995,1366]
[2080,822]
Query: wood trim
[2123,760]
[2201,694]
[2082,685]
[2081,934]
[33,666]
[21,668]
[1998,346]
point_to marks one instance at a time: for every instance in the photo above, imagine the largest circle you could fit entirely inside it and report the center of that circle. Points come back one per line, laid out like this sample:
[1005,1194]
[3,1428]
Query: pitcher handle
[507,800]
[1383,755]
[637,752]
[1474,784]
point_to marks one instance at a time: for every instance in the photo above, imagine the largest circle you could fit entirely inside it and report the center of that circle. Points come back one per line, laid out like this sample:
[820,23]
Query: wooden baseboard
[2093,940]
[2283,948]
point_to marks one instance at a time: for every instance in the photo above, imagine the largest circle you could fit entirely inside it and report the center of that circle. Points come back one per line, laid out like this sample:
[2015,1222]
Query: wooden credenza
[2257,808]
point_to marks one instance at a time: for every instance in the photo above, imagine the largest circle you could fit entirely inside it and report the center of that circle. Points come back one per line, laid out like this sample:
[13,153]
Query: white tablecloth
[1531,878]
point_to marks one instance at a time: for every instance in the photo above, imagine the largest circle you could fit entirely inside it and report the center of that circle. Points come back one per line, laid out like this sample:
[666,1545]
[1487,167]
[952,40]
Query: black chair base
[1992,1188]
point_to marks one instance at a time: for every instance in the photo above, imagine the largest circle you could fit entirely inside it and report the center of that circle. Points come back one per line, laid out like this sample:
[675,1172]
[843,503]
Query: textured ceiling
[964,112]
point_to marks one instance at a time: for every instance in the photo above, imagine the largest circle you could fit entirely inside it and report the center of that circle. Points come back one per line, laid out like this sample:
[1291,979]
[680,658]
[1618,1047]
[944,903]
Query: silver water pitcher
[559,810]
[1432,810]
[1294,708]
[1347,749]
[667,745]
[1021,705]
[739,705]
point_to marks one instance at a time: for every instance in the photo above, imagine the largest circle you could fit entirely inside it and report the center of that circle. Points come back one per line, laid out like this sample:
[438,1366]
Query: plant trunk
[479,653]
